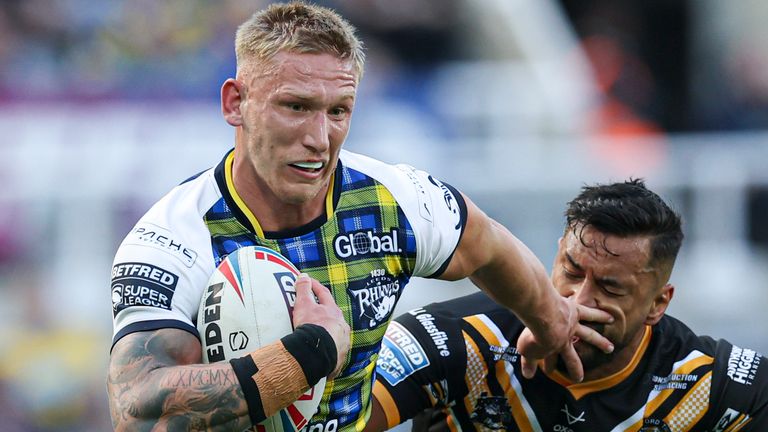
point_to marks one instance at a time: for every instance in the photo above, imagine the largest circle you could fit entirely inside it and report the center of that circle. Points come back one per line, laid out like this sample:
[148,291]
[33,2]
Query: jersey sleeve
[740,390]
[157,281]
[438,214]
[421,365]
[436,211]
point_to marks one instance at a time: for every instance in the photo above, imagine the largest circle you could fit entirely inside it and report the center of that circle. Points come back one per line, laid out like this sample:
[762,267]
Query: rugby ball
[248,304]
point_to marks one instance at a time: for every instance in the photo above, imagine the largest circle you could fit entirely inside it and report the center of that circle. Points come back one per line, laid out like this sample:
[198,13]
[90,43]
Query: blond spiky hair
[298,27]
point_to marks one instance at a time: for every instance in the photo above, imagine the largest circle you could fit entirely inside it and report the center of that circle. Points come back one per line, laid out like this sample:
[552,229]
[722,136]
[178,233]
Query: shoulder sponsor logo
[425,201]
[374,302]
[439,337]
[742,365]
[731,420]
[400,355]
[148,234]
[449,199]
[141,284]
[366,242]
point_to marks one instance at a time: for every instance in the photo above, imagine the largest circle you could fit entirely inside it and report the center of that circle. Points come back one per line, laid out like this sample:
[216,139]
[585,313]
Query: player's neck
[273,213]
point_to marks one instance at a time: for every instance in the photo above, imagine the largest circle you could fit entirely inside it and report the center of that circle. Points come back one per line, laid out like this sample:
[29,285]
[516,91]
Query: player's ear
[660,304]
[232,94]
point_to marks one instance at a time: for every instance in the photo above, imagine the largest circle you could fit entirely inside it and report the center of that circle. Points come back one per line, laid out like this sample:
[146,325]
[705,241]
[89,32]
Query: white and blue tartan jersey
[383,224]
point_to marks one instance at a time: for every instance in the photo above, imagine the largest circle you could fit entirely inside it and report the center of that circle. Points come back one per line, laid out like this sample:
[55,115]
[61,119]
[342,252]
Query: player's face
[295,115]
[613,274]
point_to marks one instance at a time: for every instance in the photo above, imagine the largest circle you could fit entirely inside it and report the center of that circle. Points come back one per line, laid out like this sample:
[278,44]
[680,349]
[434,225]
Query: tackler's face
[295,114]
[613,274]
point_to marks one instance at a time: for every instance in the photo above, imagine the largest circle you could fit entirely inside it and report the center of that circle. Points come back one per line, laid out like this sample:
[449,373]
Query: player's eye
[571,275]
[612,291]
[337,112]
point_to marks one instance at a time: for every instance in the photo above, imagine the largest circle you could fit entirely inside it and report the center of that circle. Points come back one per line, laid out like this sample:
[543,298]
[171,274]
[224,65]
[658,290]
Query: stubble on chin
[591,357]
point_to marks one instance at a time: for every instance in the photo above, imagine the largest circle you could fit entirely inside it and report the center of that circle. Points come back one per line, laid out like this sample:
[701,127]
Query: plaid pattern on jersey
[342,254]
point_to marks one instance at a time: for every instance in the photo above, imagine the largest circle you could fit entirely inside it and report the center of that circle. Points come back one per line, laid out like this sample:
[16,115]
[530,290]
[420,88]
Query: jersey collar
[245,216]
[578,390]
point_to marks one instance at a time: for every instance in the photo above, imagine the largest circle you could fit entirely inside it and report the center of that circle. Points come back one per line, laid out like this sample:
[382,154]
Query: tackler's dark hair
[628,209]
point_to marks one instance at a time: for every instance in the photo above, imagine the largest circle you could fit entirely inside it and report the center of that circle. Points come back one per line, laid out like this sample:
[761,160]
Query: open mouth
[311,167]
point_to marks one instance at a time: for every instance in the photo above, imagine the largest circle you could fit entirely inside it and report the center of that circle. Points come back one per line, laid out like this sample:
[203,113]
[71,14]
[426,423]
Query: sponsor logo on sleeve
[400,355]
[141,284]
[439,338]
[742,365]
[148,234]
[450,201]
[425,201]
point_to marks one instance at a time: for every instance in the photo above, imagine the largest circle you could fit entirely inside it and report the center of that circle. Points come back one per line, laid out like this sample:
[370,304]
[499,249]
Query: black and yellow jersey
[458,358]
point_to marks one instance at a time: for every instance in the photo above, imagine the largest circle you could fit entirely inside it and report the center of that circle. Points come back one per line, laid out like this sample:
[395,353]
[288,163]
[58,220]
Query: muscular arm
[154,383]
[502,266]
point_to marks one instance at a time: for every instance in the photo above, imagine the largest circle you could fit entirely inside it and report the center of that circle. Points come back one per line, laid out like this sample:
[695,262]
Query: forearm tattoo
[154,384]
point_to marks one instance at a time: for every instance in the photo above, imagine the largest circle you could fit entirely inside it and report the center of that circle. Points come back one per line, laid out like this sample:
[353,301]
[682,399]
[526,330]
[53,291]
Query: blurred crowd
[75,50]
[145,50]
[658,58]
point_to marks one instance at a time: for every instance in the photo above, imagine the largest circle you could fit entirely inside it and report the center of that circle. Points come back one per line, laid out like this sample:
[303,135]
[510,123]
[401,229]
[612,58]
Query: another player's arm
[502,266]
[155,384]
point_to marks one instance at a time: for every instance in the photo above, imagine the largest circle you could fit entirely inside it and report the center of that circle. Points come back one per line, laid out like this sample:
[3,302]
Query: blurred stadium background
[104,106]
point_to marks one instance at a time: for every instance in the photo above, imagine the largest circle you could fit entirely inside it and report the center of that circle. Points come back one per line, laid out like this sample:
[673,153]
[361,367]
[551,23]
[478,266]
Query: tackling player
[458,360]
